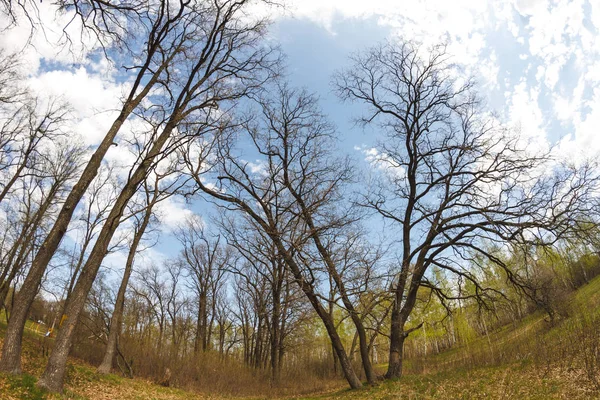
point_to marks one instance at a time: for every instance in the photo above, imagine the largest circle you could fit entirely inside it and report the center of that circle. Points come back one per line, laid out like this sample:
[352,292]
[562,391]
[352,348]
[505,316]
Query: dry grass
[82,381]
[507,382]
[531,360]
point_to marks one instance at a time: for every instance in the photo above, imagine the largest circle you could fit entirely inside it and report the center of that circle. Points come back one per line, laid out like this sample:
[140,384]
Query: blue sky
[314,52]
[537,63]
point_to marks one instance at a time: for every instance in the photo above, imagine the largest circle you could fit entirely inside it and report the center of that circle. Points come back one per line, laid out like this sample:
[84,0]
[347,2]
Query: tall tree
[295,183]
[164,26]
[220,59]
[453,179]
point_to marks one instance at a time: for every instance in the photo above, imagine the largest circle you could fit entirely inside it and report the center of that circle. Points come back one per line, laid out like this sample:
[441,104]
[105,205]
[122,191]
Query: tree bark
[117,317]
[53,377]
[398,334]
[11,350]
[396,352]
[396,343]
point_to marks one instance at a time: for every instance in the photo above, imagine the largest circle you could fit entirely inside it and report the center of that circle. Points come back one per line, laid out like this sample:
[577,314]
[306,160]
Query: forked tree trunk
[336,341]
[306,287]
[331,269]
[335,276]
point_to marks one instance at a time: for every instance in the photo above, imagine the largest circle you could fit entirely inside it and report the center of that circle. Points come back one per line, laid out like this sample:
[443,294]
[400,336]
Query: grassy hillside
[529,360]
[82,381]
[507,382]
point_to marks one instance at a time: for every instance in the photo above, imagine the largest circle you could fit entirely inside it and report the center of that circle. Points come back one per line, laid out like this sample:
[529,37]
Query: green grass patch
[24,387]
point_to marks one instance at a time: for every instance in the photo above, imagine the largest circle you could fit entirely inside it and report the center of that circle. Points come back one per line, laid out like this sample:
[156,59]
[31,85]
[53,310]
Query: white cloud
[554,57]
[93,99]
[173,212]
[583,143]
[525,113]
[382,162]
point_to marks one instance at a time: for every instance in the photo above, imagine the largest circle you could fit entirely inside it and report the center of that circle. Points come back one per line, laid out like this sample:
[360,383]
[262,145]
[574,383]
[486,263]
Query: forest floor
[519,381]
[82,381]
[461,373]
[504,382]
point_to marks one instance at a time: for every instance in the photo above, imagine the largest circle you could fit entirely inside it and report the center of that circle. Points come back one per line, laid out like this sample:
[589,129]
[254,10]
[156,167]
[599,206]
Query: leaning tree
[162,26]
[219,58]
[291,194]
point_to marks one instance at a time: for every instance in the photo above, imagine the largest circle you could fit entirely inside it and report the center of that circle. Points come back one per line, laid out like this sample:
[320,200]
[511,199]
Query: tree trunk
[200,341]
[331,269]
[11,350]
[397,338]
[336,341]
[53,377]
[397,332]
[275,321]
[335,360]
[117,317]
[396,345]
[221,339]
[209,329]
[360,330]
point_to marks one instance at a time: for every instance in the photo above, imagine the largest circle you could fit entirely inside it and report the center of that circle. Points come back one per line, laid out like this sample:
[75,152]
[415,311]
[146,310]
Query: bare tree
[296,184]
[143,216]
[452,178]
[206,259]
[152,289]
[358,264]
[165,29]
[220,60]
[39,193]
[28,126]
[262,268]
[23,134]
[176,305]
[316,185]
